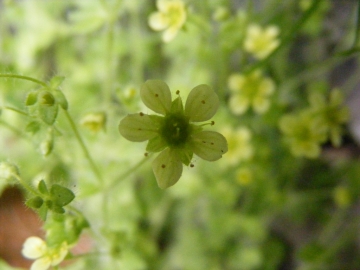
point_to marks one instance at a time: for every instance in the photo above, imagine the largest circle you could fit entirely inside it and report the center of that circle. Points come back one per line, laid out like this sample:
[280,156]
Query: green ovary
[175,130]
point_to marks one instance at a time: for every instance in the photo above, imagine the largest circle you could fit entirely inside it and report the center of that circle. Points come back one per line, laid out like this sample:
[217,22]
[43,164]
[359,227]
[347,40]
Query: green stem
[288,38]
[127,173]
[83,146]
[26,78]
[27,185]
[15,110]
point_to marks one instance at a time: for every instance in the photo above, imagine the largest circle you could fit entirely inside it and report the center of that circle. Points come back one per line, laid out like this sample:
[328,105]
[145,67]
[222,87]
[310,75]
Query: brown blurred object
[17,222]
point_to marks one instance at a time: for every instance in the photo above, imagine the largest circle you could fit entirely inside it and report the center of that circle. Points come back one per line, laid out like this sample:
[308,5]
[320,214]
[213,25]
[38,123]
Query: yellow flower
[304,134]
[36,249]
[342,196]
[250,90]
[239,146]
[244,176]
[330,113]
[261,41]
[170,18]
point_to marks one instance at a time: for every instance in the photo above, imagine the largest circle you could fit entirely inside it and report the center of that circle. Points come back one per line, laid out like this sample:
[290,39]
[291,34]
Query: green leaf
[35,202]
[43,188]
[48,113]
[43,212]
[56,81]
[31,98]
[33,127]
[61,99]
[58,209]
[61,195]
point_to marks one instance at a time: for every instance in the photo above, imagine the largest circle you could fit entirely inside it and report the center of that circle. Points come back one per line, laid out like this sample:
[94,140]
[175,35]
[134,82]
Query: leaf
[61,99]
[33,127]
[56,81]
[35,202]
[48,113]
[31,98]
[43,188]
[61,195]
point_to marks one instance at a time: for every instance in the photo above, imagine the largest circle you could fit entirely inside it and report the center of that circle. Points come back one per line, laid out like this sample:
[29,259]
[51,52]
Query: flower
[36,249]
[174,134]
[331,114]
[94,122]
[261,41]
[239,145]
[170,18]
[252,89]
[303,133]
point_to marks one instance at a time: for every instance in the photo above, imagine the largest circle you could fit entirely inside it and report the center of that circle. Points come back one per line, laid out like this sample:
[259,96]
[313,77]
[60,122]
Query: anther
[177,92]
[192,165]
[212,123]
[163,166]
[141,114]
[146,154]
[203,101]
[156,95]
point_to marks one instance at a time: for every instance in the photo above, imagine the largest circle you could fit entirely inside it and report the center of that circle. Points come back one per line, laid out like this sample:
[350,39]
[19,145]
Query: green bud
[33,127]
[31,98]
[9,171]
[48,113]
[43,188]
[56,81]
[61,99]
[35,202]
[46,98]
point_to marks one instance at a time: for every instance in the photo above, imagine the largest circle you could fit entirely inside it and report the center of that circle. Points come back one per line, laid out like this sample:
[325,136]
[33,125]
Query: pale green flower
[36,249]
[239,145]
[250,90]
[304,134]
[332,114]
[94,121]
[173,133]
[259,41]
[170,18]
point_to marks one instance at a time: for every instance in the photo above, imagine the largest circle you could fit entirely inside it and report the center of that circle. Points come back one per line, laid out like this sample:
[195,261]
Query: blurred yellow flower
[250,90]
[330,113]
[170,18]
[342,196]
[304,134]
[239,145]
[94,122]
[244,176]
[260,42]
[36,249]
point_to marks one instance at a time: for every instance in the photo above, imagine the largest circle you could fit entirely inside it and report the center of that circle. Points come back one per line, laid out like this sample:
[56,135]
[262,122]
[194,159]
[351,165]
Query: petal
[156,96]
[170,34]
[158,21]
[236,82]
[201,104]
[41,264]
[60,255]
[260,104]
[34,247]
[239,104]
[163,5]
[167,168]
[138,127]
[209,145]
[266,87]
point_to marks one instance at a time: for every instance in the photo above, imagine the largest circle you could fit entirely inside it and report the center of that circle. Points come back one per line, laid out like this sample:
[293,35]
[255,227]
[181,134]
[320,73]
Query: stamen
[141,114]
[146,154]
[163,166]
[203,101]
[192,165]
[177,92]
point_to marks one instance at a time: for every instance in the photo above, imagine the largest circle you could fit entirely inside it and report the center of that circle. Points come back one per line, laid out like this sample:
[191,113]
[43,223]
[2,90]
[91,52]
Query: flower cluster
[322,121]
[260,42]
[36,249]
[170,18]
[173,133]
[250,90]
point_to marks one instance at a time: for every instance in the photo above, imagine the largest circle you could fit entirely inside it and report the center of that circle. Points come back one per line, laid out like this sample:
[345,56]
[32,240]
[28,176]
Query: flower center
[175,130]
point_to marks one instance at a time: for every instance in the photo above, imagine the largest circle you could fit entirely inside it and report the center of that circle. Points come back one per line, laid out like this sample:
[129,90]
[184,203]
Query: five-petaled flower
[170,18]
[36,249]
[174,133]
[260,42]
[250,90]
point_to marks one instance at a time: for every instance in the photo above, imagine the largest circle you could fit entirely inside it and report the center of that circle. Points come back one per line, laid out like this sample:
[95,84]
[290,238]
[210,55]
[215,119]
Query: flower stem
[26,78]
[83,146]
[127,173]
